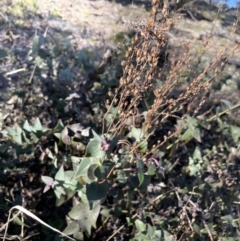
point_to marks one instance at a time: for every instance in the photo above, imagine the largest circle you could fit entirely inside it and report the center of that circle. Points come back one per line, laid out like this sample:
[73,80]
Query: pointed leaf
[72,228]
[141,226]
[96,136]
[47,180]
[196,134]
[86,218]
[60,175]
[76,127]
[140,177]
[18,138]
[59,127]
[70,182]
[46,188]
[25,139]
[227,103]
[228,218]
[85,132]
[17,220]
[37,125]
[79,236]
[34,138]
[26,126]
[15,134]
[146,181]
[140,163]
[10,131]
[150,232]
[83,167]
[94,149]
[58,135]
[59,191]
[65,137]
[187,135]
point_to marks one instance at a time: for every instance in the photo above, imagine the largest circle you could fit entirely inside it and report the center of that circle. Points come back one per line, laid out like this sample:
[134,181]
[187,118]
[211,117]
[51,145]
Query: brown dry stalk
[140,71]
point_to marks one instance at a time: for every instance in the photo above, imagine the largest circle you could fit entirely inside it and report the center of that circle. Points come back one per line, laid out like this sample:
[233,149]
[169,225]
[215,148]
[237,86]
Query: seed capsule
[123,63]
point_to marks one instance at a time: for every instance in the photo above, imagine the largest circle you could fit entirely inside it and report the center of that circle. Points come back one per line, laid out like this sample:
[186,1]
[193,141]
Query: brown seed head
[154,2]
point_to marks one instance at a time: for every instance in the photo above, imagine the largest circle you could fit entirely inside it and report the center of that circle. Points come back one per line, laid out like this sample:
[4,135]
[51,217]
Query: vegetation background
[119,120]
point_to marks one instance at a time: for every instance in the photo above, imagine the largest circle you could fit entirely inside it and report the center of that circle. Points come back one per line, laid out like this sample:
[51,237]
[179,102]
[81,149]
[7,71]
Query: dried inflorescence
[140,66]
[141,69]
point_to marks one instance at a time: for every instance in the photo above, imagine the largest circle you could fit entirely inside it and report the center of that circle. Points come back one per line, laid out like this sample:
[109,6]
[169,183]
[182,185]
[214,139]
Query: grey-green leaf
[60,174]
[141,226]
[86,218]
